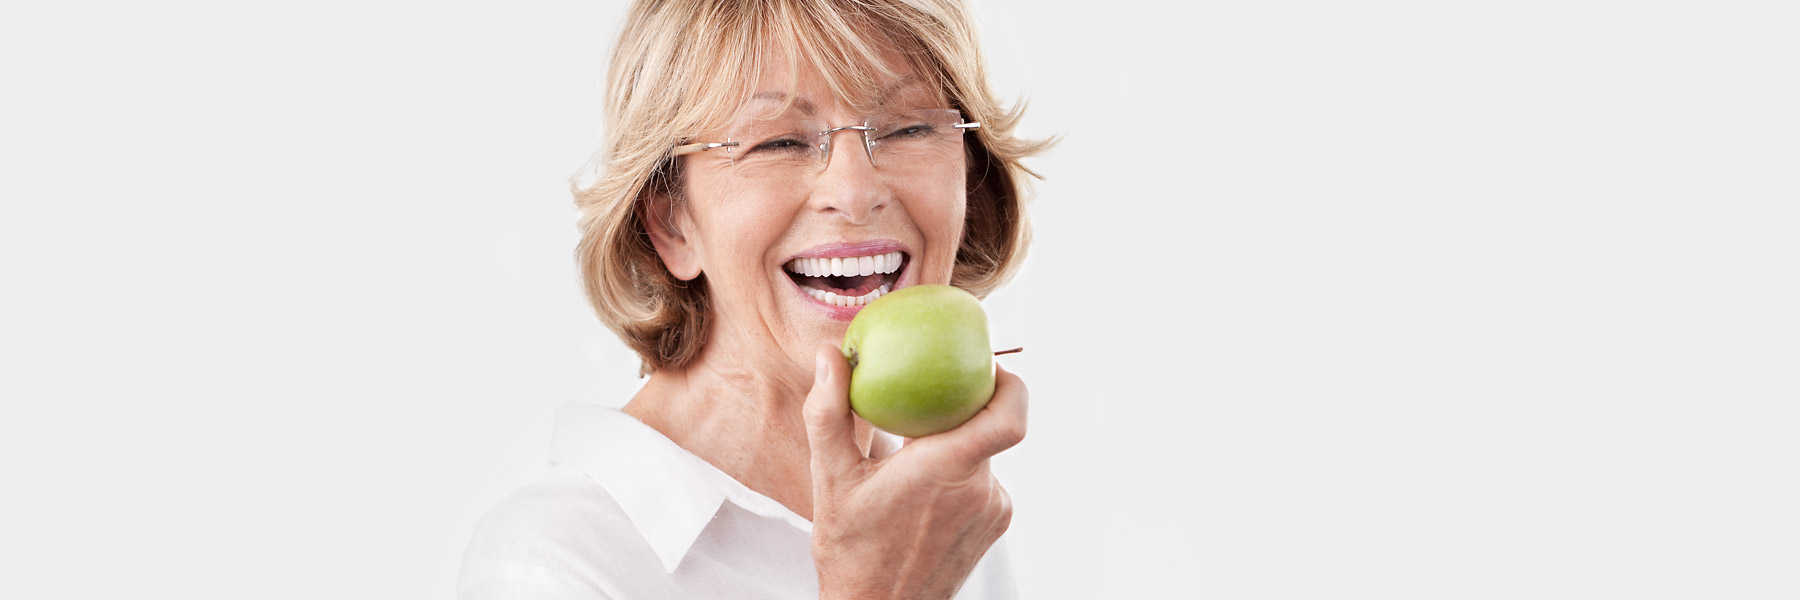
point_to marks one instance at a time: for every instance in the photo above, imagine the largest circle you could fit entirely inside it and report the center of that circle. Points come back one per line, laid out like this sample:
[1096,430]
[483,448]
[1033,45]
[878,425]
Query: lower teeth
[834,299]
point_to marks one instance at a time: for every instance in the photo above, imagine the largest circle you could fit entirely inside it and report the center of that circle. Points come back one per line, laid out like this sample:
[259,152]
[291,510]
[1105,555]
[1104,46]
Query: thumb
[830,429]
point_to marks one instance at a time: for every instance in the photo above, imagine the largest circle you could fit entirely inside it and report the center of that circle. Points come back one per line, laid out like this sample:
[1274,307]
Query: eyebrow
[805,107]
[809,109]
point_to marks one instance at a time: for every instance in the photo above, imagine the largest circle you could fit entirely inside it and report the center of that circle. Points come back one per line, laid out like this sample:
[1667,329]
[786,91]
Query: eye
[779,144]
[909,131]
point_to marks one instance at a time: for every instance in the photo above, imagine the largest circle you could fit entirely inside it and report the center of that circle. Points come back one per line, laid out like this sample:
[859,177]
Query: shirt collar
[668,493]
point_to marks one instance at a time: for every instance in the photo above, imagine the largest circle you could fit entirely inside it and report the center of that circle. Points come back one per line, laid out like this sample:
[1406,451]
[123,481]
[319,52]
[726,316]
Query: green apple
[919,360]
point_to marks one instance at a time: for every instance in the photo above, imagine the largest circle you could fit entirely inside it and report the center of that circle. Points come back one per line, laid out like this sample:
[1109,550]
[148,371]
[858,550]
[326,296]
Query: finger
[830,427]
[998,426]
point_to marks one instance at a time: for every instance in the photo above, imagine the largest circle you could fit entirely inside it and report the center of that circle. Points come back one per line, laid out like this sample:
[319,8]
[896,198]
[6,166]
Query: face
[789,260]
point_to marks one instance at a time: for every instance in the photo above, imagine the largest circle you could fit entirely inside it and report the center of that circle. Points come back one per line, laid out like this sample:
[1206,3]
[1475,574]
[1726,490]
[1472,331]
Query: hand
[913,524]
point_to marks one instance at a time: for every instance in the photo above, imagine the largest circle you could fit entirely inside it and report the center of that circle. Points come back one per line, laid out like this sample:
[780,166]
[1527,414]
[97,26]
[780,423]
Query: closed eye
[917,130]
[779,144]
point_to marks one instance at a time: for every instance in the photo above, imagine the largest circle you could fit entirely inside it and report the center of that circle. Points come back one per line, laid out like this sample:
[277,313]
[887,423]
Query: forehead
[907,91]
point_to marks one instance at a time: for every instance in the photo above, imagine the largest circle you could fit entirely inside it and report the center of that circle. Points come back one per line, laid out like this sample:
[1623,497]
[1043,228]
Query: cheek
[951,211]
[937,205]
[739,231]
[937,208]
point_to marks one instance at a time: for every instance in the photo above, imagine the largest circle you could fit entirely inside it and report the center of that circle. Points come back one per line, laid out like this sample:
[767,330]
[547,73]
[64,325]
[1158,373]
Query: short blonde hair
[679,69]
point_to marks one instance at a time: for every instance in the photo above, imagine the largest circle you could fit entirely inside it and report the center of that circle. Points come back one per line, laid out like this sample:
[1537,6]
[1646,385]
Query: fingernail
[818,367]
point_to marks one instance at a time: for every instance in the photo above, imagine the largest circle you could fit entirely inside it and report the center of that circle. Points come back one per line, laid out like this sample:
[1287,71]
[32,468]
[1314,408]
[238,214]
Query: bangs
[859,51]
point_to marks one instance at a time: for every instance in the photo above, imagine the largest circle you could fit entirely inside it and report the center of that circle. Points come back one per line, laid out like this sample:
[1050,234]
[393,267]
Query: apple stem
[1018,349]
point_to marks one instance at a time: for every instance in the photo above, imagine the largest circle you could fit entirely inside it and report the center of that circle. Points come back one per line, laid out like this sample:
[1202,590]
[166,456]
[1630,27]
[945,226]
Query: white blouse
[631,515]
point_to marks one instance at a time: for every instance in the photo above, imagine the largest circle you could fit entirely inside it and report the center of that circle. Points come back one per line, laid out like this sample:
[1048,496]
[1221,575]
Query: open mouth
[849,280]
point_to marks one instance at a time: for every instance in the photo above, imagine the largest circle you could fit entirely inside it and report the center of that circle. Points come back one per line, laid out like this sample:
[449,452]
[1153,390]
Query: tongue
[850,285]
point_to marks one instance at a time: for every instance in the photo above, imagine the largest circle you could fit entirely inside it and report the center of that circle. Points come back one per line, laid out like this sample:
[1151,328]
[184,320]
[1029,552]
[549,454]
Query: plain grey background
[1374,299]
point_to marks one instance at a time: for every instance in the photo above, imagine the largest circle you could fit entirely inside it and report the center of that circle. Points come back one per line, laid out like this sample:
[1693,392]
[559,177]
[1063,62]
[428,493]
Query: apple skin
[920,361]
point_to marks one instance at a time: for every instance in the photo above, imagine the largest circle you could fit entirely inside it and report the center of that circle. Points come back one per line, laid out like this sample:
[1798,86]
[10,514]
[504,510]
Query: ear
[669,225]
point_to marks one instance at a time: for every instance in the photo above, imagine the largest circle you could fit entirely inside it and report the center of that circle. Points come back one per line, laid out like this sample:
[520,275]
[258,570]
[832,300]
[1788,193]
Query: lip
[841,250]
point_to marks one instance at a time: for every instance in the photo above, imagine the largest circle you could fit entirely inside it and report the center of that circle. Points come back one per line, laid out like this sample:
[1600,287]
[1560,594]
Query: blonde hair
[679,69]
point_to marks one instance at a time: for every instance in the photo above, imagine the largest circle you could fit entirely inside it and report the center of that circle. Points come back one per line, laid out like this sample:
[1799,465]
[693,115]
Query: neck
[740,410]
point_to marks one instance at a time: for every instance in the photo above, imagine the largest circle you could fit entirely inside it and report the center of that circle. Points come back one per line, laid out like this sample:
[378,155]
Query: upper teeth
[846,266]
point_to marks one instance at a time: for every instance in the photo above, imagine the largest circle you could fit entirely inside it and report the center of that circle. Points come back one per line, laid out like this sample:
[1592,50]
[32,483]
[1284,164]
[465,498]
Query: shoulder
[562,536]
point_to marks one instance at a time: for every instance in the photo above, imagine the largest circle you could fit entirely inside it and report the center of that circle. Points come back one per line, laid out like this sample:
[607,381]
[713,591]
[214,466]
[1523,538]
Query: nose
[849,185]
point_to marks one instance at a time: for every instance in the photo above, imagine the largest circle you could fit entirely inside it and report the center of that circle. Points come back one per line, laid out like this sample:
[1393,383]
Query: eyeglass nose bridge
[825,145]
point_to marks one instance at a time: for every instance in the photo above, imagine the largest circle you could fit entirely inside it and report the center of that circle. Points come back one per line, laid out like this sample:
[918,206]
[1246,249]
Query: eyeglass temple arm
[701,146]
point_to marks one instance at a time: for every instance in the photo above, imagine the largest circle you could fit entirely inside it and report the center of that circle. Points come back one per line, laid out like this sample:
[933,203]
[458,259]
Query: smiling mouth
[847,281]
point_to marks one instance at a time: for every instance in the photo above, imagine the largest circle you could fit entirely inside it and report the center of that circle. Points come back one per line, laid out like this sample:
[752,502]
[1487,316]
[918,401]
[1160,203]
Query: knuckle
[817,410]
[1010,433]
[1004,515]
[1002,499]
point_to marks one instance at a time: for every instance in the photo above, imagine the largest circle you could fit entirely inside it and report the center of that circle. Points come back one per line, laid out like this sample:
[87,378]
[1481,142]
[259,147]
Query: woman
[748,144]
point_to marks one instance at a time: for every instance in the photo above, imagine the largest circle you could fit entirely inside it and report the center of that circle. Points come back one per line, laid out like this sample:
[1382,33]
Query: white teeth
[834,299]
[853,266]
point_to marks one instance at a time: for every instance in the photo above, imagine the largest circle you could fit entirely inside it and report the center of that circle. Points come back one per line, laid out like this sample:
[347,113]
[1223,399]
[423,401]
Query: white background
[1373,299]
